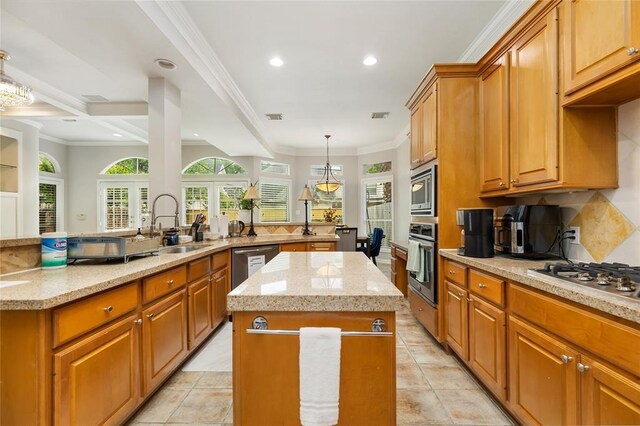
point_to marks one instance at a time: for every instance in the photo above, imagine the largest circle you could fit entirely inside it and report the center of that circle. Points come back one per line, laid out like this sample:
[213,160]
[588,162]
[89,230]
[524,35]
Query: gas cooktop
[610,277]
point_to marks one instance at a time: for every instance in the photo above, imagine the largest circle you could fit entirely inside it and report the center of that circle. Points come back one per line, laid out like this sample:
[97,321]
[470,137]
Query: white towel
[319,375]
[413,257]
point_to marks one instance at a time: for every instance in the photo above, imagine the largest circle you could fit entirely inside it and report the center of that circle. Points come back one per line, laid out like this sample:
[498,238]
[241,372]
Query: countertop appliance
[426,235]
[615,278]
[236,227]
[478,233]
[534,231]
[502,218]
[423,191]
[111,247]
[247,260]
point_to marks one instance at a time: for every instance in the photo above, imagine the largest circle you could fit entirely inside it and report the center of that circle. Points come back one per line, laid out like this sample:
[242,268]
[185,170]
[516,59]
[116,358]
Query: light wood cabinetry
[164,338]
[321,246]
[97,379]
[399,275]
[200,311]
[424,312]
[416,136]
[424,128]
[457,323]
[163,283]
[220,287]
[293,247]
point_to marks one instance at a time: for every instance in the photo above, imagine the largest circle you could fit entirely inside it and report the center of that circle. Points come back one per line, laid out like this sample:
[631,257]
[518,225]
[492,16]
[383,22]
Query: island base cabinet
[266,373]
[164,338]
[543,384]
[97,379]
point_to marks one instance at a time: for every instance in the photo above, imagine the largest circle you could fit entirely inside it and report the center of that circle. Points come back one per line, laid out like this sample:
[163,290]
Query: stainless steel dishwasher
[247,260]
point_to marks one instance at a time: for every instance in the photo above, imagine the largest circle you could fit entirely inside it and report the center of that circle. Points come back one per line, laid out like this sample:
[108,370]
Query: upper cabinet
[600,37]
[424,127]
[416,139]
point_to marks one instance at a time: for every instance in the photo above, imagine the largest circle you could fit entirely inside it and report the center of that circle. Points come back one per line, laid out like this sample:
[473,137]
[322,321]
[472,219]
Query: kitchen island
[341,289]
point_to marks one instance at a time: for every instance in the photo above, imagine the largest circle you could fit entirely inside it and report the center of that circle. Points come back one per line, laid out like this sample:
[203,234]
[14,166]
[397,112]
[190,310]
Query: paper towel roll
[223,225]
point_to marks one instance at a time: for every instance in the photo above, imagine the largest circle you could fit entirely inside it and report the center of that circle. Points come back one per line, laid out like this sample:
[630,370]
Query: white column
[165,146]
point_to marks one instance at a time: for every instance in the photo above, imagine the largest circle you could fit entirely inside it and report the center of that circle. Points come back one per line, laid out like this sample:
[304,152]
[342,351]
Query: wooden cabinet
[599,37]
[487,346]
[219,289]
[163,283]
[164,338]
[494,126]
[321,246]
[200,310]
[426,314]
[416,136]
[456,319]
[424,128]
[533,75]
[293,247]
[543,377]
[97,379]
[399,276]
[608,397]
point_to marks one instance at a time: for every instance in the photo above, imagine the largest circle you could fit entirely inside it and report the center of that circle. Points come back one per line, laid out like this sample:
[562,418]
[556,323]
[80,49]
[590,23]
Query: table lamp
[306,196]
[251,195]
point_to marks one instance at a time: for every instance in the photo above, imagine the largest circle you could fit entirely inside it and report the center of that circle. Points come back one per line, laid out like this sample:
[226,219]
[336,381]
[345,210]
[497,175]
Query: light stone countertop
[402,244]
[317,281]
[518,270]
[44,289]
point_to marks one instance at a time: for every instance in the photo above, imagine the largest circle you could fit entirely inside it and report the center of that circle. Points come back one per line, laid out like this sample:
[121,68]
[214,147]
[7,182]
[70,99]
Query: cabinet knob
[108,309]
[513,180]
[566,359]
[461,294]
[170,282]
[482,285]
[420,309]
[469,300]
[501,183]
[582,368]
[138,321]
[151,315]
[632,51]
[452,272]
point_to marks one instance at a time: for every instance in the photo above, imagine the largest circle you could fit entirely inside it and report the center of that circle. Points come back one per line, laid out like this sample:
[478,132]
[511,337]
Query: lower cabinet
[219,290]
[164,338]
[456,321]
[96,380]
[200,311]
[321,246]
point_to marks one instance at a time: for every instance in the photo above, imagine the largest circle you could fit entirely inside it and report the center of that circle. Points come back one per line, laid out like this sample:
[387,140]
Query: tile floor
[432,387]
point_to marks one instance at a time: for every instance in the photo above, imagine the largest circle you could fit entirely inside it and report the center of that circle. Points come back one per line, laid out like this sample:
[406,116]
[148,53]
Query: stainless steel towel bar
[344,333]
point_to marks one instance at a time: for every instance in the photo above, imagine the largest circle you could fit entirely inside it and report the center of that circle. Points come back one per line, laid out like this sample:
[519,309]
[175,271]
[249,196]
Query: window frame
[211,175]
[128,175]
[213,190]
[312,183]
[54,162]
[322,166]
[276,181]
[134,186]
[59,183]
[275,163]
[379,178]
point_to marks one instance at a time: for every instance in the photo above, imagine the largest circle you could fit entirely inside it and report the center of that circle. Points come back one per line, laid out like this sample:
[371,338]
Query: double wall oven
[425,234]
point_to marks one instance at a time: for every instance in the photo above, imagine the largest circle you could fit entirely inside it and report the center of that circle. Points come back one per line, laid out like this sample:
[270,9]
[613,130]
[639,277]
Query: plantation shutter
[274,202]
[48,207]
[227,204]
[117,208]
[196,201]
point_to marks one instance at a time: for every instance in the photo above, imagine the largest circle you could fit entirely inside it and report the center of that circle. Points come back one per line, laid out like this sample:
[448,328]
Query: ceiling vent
[69,120]
[95,98]
[379,115]
[274,116]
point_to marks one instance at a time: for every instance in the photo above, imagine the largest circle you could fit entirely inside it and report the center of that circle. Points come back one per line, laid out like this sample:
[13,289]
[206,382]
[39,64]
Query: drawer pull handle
[566,359]
[138,321]
[452,272]
[170,282]
[582,368]
[420,309]
[632,51]
[501,183]
[481,285]
[461,294]
[151,315]
[108,309]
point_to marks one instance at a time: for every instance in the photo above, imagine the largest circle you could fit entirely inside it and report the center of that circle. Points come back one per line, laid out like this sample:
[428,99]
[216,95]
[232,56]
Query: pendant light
[12,93]
[328,182]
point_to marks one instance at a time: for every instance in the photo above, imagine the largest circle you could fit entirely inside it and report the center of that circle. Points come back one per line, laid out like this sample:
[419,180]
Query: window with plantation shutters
[117,208]
[228,196]
[327,206]
[123,205]
[48,207]
[274,200]
[196,201]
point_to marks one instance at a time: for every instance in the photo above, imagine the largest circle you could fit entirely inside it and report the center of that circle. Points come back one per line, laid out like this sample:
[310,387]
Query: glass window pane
[318,170]
[48,207]
[323,202]
[214,166]
[228,197]
[117,208]
[274,202]
[196,202]
[273,167]
[129,166]
[379,209]
[369,169]
[46,165]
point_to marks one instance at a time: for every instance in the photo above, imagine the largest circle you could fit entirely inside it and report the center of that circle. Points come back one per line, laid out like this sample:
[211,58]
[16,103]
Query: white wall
[401,185]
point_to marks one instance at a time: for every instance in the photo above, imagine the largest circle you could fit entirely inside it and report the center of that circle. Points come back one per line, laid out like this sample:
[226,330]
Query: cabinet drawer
[199,268]
[293,247]
[487,287]
[80,317]
[321,246]
[601,336]
[220,260]
[455,272]
[163,283]
[425,313]
[401,254]
[393,251]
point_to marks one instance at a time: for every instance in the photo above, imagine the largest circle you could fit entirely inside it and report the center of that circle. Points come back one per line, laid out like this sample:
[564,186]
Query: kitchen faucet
[154,217]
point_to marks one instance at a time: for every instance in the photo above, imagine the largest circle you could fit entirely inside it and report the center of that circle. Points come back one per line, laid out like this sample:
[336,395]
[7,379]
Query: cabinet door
[97,380]
[494,122]
[293,247]
[164,338]
[533,77]
[592,52]
[429,124]
[456,319]
[542,385]
[219,284]
[416,136]
[321,246]
[200,316]
[487,349]
[608,397]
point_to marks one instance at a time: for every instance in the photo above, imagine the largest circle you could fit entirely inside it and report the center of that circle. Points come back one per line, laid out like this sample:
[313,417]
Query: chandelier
[12,93]
[328,182]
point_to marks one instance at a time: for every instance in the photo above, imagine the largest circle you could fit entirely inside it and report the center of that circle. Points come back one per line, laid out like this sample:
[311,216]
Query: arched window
[214,166]
[128,166]
[48,164]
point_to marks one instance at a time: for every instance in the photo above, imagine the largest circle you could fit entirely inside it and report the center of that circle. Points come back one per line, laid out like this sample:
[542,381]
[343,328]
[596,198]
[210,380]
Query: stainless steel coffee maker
[236,227]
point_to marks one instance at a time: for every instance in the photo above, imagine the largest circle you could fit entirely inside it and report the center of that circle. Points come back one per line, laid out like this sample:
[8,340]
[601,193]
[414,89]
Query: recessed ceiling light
[117,135]
[370,60]
[166,64]
[196,135]
[276,62]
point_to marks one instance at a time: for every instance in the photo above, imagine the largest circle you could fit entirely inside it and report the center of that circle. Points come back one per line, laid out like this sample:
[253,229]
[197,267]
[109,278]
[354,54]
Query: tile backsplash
[609,220]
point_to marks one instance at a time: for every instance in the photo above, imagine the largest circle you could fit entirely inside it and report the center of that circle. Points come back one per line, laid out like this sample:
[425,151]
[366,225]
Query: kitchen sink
[179,249]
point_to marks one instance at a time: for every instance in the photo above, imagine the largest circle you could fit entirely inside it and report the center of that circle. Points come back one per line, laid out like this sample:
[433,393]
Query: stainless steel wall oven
[425,235]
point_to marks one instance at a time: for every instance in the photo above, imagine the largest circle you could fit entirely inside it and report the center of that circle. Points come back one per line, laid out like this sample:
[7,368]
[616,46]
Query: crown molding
[105,143]
[53,139]
[501,22]
[173,20]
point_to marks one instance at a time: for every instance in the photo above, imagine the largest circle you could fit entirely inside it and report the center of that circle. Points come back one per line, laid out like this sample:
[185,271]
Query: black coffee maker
[478,233]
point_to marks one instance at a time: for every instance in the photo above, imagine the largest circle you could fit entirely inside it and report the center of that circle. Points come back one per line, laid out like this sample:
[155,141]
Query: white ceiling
[66,49]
